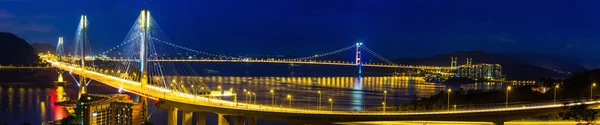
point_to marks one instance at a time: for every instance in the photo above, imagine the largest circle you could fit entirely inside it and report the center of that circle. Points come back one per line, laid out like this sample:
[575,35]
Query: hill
[515,68]
[16,51]
[565,64]
[43,47]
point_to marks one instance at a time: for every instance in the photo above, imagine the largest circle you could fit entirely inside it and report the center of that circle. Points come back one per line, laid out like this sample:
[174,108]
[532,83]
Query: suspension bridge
[148,59]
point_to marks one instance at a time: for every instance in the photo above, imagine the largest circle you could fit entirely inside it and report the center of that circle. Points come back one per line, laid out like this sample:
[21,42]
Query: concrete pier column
[251,120]
[238,120]
[172,116]
[222,119]
[186,117]
[200,118]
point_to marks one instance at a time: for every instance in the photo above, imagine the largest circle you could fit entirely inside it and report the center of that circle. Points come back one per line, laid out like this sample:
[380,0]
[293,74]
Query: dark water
[34,105]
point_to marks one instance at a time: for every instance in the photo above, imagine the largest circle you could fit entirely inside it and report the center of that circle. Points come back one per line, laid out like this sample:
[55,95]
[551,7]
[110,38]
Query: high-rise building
[481,71]
[111,109]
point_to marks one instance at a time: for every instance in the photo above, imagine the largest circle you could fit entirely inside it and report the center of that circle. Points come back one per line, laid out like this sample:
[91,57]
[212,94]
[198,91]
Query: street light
[220,92]
[331,102]
[254,97]
[319,105]
[234,96]
[250,95]
[555,88]
[383,106]
[507,90]
[592,91]
[449,91]
[246,95]
[290,98]
[384,96]
[272,97]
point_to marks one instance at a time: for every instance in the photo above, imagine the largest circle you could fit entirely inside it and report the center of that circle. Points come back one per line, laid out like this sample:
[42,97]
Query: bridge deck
[159,93]
[286,62]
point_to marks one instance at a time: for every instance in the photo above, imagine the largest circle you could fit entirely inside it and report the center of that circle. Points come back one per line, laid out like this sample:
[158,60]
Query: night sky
[393,28]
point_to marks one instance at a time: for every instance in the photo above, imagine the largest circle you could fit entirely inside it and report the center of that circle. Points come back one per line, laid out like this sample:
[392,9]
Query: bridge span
[173,101]
[283,61]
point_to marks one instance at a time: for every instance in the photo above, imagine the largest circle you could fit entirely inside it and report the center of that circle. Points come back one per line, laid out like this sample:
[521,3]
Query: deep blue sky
[393,28]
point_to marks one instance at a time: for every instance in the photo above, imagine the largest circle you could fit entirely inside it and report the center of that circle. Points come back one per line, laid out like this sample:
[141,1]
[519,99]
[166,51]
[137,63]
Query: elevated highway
[187,103]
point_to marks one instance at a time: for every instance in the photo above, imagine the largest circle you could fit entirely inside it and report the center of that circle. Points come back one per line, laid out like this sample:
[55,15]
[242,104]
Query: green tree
[580,113]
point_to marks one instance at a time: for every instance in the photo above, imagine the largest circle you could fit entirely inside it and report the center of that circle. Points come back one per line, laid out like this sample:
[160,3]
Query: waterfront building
[481,71]
[110,109]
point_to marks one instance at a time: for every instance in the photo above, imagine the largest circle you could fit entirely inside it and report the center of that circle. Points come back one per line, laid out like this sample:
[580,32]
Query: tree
[580,113]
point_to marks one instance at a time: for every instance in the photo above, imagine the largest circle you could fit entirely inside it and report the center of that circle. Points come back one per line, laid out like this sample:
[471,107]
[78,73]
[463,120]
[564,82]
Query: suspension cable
[377,55]
[326,54]
[192,50]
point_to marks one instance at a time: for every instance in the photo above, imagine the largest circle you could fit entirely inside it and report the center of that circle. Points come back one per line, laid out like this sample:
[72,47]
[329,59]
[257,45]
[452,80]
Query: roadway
[202,103]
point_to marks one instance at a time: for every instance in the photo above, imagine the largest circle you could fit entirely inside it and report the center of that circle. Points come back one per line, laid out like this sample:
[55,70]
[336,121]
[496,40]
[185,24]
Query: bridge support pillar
[222,120]
[60,77]
[499,123]
[239,120]
[186,117]
[200,118]
[358,61]
[251,120]
[172,116]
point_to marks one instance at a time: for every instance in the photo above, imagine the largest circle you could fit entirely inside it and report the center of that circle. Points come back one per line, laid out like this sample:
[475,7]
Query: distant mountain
[44,47]
[565,64]
[16,51]
[515,68]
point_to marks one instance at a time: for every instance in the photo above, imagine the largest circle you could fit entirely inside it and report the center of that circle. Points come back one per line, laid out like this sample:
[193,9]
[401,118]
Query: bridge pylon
[145,25]
[82,81]
[60,77]
[469,61]
[358,58]
[453,62]
[59,52]
[59,48]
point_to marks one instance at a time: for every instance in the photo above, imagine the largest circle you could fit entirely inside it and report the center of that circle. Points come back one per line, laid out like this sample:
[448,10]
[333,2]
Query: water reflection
[357,95]
[43,111]
[348,93]
[34,105]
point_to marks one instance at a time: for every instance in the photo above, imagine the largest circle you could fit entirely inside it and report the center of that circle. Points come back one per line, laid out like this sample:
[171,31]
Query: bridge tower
[59,48]
[82,81]
[358,57]
[469,61]
[59,52]
[453,62]
[145,25]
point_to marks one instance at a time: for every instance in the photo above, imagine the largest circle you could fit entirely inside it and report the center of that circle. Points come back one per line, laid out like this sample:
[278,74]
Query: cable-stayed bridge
[146,60]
